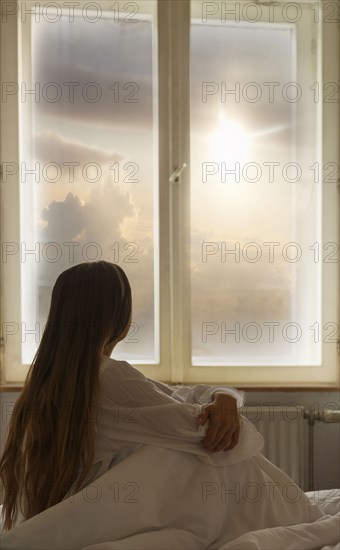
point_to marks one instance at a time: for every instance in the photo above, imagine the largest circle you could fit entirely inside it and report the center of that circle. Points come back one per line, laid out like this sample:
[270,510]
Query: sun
[230,143]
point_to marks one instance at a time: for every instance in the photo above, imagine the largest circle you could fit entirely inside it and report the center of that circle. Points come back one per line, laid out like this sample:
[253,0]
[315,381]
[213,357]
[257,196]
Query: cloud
[85,212]
[99,220]
[98,73]
[64,220]
[50,147]
[236,289]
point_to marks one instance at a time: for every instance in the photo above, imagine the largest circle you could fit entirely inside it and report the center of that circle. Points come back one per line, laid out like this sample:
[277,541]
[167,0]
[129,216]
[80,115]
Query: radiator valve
[326,415]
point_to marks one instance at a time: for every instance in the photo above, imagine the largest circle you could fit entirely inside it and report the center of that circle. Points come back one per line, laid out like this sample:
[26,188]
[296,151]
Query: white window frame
[174,225]
[327,374]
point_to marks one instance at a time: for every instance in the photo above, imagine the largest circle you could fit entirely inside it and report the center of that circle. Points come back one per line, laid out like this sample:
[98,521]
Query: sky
[120,128]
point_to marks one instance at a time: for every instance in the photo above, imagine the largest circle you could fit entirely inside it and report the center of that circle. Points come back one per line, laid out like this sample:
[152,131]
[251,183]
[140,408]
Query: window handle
[174,178]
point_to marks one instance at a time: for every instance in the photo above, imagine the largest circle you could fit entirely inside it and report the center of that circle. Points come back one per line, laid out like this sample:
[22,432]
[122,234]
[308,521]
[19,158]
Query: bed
[120,512]
[299,537]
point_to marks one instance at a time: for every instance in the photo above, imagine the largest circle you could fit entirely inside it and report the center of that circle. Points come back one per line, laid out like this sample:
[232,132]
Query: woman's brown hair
[50,443]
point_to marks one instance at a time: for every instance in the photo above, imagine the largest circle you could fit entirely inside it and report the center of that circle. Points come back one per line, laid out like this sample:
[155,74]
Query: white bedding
[162,499]
[165,491]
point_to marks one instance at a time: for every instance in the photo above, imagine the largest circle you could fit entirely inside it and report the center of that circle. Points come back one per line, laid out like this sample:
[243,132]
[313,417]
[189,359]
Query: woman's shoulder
[120,381]
[115,367]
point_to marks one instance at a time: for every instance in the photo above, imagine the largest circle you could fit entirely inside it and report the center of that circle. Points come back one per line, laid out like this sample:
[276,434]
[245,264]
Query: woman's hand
[224,425]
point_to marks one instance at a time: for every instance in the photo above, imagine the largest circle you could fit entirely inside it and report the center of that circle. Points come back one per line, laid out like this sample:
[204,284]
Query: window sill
[18,388]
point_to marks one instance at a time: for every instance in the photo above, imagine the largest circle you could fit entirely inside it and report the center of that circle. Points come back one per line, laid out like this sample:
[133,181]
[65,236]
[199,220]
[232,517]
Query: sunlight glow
[230,142]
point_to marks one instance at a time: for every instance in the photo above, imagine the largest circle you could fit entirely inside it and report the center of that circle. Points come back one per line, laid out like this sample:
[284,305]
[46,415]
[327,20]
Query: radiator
[283,429]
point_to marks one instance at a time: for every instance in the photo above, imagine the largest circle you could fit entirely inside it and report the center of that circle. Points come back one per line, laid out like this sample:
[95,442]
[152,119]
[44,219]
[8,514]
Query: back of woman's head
[50,443]
[90,302]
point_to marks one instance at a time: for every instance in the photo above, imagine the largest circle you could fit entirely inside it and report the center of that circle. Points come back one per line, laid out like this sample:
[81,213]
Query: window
[217,194]
[94,147]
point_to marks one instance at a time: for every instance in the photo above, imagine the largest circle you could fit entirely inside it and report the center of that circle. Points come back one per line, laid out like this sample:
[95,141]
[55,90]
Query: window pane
[94,144]
[255,193]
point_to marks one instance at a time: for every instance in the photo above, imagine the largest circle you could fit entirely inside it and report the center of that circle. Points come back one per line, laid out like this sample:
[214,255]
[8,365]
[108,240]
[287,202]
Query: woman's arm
[200,393]
[134,409]
[222,411]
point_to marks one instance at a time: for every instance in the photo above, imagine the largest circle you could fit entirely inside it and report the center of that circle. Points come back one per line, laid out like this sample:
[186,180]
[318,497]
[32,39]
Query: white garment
[165,490]
[123,391]
[128,416]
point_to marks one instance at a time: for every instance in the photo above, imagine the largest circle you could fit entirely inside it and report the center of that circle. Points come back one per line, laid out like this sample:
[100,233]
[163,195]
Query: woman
[90,313]
[81,413]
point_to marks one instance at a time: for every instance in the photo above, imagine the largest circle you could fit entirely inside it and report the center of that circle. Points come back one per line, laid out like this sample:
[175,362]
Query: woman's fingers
[224,426]
[216,437]
[210,439]
[203,417]
[234,439]
[224,443]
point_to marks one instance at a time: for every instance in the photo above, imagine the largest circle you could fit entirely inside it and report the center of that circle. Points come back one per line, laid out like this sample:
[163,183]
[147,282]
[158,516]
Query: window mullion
[175,30]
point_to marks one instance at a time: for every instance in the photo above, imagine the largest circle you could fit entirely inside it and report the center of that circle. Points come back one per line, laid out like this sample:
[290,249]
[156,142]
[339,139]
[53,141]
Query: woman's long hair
[51,433]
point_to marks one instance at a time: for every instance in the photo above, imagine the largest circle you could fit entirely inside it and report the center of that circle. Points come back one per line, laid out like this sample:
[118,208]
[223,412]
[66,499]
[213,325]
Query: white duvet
[159,499]
[169,493]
